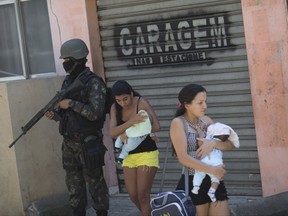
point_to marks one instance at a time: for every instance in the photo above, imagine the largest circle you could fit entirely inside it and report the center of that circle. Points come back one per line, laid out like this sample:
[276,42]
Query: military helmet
[75,48]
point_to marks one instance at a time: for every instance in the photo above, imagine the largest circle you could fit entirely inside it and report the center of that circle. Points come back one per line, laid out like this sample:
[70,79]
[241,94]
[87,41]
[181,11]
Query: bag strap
[186,170]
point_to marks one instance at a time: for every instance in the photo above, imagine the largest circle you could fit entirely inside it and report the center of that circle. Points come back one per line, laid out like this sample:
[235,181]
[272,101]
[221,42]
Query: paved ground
[120,205]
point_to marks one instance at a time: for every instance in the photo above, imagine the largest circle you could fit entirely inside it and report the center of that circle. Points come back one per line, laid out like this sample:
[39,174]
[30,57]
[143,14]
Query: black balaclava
[74,67]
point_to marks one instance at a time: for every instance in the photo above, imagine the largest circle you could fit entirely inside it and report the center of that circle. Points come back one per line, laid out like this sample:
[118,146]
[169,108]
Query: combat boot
[101,212]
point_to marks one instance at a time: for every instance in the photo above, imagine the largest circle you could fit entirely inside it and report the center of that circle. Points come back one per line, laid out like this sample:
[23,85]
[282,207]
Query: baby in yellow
[136,134]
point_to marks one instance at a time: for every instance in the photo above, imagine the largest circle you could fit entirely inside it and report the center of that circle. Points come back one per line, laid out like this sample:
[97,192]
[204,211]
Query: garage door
[160,46]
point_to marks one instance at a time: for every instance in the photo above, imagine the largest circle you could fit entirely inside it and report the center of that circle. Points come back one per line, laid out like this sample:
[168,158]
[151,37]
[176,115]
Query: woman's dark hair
[121,87]
[186,95]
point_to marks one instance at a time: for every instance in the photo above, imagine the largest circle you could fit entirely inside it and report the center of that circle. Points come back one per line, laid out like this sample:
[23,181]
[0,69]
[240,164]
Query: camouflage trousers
[77,176]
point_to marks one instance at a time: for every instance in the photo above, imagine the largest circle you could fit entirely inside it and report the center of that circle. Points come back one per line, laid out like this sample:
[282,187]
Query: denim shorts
[202,197]
[150,159]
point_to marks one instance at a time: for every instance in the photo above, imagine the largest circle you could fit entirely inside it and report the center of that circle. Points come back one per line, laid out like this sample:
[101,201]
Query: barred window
[25,41]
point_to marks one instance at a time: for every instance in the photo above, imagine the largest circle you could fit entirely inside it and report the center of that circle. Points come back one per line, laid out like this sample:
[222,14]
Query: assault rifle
[77,85]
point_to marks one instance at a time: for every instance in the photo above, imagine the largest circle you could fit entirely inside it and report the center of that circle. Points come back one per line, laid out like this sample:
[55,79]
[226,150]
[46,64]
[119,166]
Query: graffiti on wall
[169,42]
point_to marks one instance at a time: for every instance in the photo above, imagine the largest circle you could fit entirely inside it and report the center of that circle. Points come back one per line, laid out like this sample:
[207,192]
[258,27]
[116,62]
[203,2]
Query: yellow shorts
[150,159]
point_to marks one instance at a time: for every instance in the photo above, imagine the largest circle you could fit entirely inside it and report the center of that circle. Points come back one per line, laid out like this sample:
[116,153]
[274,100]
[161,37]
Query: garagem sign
[167,42]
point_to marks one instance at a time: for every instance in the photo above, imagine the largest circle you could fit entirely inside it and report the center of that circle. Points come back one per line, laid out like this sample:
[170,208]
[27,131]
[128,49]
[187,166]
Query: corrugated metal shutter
[213,55]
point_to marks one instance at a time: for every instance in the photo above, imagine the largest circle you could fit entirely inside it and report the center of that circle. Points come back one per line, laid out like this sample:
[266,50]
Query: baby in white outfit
[220,132]
[136,134]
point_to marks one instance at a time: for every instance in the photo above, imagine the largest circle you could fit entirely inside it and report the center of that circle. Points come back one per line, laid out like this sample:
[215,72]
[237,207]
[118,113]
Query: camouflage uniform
[88,103]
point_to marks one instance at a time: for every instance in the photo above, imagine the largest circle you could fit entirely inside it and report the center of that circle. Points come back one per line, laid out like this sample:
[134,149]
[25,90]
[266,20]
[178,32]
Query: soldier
[81,118]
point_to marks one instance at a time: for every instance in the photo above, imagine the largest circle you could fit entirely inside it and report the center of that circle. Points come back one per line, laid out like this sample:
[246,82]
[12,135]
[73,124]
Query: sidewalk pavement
[121,205]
